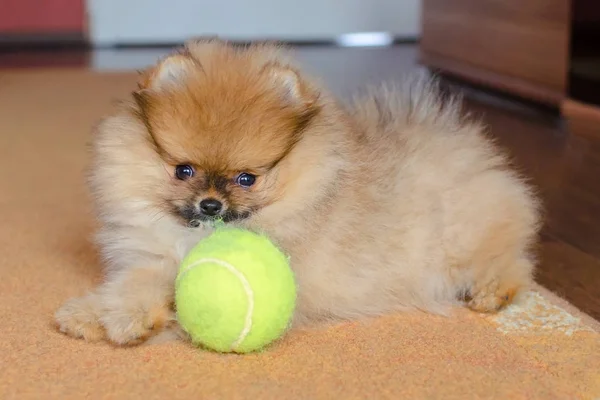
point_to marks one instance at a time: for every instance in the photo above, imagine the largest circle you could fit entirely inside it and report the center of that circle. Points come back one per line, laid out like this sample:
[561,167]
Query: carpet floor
[540,348]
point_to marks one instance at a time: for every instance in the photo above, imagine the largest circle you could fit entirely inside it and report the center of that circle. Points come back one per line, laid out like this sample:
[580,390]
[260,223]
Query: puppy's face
[222,130]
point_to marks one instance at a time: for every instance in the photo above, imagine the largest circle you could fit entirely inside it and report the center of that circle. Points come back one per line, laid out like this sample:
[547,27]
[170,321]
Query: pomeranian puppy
[393,203]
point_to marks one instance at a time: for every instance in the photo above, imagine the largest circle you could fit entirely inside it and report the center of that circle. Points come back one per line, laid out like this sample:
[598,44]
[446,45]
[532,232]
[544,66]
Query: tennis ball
[235,292]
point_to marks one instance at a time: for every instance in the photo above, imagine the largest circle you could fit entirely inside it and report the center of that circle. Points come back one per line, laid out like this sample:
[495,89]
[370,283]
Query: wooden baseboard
[484,77]
[571,108]
[583,119]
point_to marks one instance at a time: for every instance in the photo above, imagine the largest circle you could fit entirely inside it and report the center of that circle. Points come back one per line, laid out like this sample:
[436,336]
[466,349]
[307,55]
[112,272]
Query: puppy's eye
[184,172]
[245,180]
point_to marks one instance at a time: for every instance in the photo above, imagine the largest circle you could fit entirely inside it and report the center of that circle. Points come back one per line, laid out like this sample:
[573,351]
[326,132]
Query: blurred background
[143,22]
[135,22]
[542,50]
[110,35]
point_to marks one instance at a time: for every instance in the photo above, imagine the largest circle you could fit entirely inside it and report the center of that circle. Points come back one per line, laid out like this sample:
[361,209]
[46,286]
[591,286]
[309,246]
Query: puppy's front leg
[132,305]
[80,317]
[137,303]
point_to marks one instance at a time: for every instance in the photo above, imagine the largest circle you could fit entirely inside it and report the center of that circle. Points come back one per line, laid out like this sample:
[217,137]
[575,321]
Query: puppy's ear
[295,93]
[292,88]
[169,72]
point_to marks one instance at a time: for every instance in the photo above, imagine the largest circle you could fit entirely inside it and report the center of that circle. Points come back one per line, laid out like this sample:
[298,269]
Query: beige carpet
[539,349]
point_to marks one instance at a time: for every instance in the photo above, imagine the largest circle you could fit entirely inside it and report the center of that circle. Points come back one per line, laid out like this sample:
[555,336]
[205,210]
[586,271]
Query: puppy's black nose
[210,207]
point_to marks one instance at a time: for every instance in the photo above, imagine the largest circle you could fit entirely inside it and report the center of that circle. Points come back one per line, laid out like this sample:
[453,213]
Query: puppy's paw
[79,318]
[491,297]
[132,326]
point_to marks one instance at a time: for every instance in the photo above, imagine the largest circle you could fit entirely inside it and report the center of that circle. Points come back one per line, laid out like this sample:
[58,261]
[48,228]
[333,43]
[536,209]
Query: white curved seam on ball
[247,288]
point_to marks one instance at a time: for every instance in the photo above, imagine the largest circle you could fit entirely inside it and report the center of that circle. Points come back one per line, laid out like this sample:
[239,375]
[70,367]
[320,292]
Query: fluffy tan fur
[395,202]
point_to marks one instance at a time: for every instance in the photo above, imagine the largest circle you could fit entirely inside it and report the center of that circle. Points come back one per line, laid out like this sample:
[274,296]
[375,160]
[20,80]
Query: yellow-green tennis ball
[235,292]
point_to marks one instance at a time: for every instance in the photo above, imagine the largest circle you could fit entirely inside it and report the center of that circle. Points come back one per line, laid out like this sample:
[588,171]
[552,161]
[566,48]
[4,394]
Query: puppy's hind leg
[496,284]
[499,264]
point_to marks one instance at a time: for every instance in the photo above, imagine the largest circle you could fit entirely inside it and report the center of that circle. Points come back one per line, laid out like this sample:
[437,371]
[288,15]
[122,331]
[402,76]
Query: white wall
[160,21]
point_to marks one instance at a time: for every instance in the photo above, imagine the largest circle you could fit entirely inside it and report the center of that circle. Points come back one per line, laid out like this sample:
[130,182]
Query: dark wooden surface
[524,43]
[489,78]
[562,159]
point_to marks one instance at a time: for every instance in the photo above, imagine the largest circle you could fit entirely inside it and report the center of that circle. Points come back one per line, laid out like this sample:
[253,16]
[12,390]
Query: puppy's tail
[418,100]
